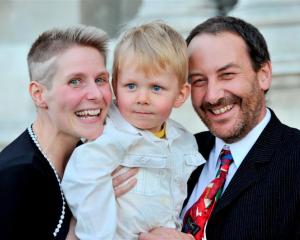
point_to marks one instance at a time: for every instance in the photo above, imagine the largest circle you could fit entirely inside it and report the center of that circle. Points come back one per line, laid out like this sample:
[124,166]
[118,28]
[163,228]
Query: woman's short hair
[42,56]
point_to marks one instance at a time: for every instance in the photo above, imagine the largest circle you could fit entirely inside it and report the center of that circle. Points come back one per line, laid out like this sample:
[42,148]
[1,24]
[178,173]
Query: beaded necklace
[62,215]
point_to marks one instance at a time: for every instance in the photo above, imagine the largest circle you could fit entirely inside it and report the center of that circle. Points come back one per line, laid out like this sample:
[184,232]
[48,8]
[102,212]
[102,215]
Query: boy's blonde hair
[42,56]
[155,46]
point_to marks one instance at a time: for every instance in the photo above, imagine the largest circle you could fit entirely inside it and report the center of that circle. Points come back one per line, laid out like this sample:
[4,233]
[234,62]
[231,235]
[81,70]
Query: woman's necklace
[62,215]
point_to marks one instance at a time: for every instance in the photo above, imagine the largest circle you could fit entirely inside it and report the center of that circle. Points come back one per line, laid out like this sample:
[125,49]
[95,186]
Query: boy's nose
[143,97]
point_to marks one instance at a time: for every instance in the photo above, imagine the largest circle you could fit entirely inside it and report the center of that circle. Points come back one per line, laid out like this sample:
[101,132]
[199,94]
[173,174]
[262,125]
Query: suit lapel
[254,165]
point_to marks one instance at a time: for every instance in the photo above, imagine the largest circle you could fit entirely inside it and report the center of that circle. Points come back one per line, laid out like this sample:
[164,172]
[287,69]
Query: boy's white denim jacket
[156,200]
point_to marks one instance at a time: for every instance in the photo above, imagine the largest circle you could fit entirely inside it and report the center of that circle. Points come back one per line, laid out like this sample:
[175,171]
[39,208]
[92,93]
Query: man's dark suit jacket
[262,201]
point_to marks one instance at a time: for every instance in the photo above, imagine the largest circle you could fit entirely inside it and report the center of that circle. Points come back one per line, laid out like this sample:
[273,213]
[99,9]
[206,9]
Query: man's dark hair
[256,44]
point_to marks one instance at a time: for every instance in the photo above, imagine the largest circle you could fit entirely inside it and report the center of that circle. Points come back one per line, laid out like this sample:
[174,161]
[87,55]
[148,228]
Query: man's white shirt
[239,150]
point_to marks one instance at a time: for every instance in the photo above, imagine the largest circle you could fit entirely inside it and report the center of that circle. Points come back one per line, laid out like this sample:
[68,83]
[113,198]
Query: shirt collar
[240,149]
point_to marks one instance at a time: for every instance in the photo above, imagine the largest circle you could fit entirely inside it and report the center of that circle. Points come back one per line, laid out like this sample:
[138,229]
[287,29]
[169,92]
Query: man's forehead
[217,49]
[215,39]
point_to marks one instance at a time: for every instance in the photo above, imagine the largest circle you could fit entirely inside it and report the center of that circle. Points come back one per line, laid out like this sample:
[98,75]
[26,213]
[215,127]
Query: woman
[69,85]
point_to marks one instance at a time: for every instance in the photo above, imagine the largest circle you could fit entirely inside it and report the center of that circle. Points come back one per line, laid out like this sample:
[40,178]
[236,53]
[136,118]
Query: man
[230,72]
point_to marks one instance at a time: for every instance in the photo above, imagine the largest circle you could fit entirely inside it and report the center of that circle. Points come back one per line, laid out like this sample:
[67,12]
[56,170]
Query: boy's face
[146,101]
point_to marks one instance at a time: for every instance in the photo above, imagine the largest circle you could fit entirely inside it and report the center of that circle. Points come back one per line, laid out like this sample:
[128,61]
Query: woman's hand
[162,233]
[123,181]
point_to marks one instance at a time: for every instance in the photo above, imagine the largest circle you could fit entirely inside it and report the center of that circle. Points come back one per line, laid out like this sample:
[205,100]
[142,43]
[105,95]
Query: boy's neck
[162,132]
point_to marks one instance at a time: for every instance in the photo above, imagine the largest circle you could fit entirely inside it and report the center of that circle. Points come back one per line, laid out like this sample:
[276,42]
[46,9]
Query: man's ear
[183,94]
[265,76]
[37,92]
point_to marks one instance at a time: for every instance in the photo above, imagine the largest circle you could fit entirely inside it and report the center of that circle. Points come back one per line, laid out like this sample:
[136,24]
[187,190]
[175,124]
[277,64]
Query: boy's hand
[162,233]
[123,181]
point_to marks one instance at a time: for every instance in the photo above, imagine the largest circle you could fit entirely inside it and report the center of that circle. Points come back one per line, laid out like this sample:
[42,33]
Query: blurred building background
[22,20]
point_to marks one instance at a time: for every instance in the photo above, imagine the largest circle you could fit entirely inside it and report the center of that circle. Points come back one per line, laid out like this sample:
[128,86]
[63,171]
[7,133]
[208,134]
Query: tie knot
[226,157]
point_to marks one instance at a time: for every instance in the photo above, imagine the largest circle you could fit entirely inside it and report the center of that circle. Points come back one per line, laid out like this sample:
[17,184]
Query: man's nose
[214,91]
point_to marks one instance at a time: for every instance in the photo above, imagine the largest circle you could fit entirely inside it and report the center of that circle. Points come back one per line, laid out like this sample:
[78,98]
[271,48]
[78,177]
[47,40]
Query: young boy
[149,79]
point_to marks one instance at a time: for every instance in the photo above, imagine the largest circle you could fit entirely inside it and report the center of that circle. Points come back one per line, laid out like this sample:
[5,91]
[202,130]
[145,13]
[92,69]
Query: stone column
[182,15]
[279,21]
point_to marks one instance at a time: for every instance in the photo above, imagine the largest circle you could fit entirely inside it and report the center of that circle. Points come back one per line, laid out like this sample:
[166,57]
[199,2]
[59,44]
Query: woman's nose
[94,92]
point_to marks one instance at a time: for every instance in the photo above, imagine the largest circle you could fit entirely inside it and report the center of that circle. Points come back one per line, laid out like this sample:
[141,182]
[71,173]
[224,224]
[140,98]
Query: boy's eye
[156,88]
[74,82]
[131,86]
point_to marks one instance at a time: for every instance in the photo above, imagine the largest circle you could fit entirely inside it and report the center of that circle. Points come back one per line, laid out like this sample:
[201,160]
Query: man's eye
[74,82]
[131,86]
[156,88]
[198,82]
[228,75]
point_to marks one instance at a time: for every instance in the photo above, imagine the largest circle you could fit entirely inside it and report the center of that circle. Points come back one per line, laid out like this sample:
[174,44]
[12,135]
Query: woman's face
[78,100]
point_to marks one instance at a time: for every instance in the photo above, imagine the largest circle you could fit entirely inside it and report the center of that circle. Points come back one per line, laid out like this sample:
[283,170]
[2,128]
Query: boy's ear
[183,94]
[37,92]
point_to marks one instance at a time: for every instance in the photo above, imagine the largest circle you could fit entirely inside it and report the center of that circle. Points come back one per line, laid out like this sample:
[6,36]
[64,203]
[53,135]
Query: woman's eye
[156,88]
[74,82]
[100,81]
[131,86]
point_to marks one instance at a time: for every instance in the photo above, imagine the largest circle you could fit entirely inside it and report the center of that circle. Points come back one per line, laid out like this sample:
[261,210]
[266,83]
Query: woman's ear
[183,94]
[37,92]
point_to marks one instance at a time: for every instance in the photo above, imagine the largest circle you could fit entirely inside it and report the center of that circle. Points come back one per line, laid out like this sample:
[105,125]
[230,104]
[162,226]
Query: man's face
[227,94]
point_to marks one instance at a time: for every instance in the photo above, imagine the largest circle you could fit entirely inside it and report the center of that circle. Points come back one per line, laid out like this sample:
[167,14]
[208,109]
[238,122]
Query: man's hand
[123,181]
[162,233]
[71,233]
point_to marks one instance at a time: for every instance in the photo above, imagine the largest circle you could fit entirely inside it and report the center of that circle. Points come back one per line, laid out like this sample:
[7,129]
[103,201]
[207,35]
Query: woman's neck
[56,145]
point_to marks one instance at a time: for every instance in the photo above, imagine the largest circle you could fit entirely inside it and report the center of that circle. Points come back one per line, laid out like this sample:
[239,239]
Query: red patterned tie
[197,216]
